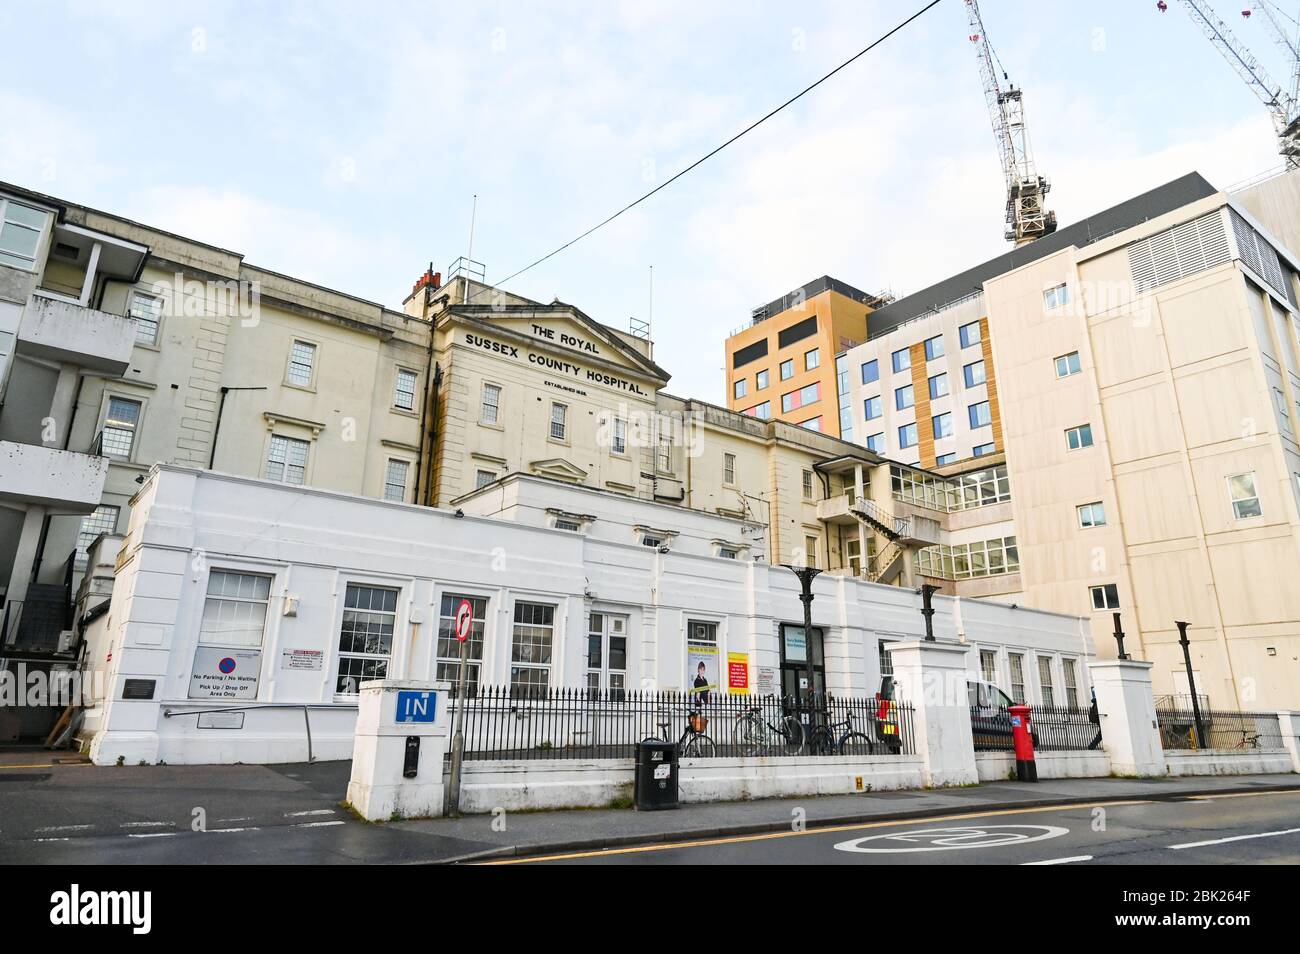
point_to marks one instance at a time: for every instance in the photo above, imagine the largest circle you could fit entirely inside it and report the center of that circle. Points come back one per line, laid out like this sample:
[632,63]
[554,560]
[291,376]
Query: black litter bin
[656,775]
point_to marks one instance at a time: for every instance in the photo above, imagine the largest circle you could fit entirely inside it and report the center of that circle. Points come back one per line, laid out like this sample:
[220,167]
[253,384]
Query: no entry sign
[464,619]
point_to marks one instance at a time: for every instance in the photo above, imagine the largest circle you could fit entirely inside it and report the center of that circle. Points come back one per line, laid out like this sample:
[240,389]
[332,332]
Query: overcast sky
[341,143]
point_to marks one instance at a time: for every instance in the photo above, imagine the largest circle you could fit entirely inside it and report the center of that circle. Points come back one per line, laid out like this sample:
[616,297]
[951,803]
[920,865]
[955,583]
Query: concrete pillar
[63,401]
[931,676]
[1127,710]
[391,712]
[1289,723]
[29,541]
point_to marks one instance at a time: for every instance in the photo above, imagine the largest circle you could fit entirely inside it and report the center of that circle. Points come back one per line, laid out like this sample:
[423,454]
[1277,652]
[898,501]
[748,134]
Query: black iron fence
[1239,731]
[504,723]
[1054,728]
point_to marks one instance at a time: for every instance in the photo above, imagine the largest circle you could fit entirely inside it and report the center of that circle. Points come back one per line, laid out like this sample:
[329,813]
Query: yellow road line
[1210,798]
[765,836]
[45,765]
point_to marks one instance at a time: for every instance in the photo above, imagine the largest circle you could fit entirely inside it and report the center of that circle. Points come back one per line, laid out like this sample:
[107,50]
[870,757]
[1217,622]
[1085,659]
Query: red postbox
[1022,734]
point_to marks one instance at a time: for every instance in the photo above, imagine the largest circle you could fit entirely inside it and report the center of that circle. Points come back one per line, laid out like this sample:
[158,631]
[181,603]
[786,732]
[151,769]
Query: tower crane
[1027,218]
[1281,103]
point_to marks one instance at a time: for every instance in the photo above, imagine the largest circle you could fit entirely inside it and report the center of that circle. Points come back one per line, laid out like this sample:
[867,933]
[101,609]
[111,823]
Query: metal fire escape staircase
[887,562]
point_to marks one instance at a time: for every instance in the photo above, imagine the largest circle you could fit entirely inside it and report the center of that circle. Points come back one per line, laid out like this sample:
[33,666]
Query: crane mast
[1288,43]
[1026,215]
[1281,103]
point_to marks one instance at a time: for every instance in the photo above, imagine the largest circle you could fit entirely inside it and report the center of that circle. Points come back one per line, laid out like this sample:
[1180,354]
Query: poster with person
[703,678]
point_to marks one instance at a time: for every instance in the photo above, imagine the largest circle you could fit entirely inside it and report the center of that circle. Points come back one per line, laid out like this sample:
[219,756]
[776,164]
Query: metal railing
[510,723]
[1223,730]
[1055,729]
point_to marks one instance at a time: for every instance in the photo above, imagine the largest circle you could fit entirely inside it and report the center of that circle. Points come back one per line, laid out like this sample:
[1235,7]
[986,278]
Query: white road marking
[154,834]
[1222,841]
[146,824]
[228,820]
[314,811]
[952,839]
[65,828]
[53,839]
[229,831]
[1061,861]
[317,824]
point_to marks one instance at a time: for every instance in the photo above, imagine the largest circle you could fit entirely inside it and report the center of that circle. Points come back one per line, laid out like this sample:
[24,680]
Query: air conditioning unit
[67,640]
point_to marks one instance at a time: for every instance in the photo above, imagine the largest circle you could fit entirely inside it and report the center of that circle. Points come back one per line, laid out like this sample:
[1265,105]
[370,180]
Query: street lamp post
[927,610]
[806,575]
[1191,682]
[1119,637]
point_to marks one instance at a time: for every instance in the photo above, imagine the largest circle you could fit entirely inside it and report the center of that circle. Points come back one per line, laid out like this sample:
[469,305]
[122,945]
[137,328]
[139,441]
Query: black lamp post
[1119,637]
[927,610]
[1191,682]
[806,575]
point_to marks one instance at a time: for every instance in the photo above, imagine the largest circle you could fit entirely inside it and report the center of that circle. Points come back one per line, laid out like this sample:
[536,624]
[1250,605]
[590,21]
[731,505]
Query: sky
[342,143]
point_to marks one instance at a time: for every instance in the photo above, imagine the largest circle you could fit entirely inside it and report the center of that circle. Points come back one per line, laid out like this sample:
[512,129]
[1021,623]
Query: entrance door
[794,661]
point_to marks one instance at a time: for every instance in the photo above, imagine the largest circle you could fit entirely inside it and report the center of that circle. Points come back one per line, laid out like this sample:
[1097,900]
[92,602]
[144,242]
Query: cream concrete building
[1148,388]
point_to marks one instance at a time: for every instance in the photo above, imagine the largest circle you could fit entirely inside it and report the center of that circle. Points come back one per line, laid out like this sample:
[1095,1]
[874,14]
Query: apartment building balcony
[55,329]
[67,481]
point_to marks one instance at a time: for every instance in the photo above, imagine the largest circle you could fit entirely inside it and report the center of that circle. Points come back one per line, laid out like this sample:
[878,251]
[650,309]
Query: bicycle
[694,743]
[1249,740]
[823,740]
[753,732]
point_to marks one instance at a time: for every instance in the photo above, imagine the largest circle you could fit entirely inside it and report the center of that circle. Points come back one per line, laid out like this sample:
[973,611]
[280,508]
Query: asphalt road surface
[1254,828]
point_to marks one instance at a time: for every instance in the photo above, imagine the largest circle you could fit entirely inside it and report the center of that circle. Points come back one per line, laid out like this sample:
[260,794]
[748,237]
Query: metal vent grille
[1255,251]
[1178,252]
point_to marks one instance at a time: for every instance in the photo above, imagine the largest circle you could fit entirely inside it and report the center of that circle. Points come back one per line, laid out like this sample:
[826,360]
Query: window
[1071,684]
[884,658]
[234,611]
[618,444]
[973,373]
[147,312]
[366,636]
[491,404]
[1092,515]
[876,443]
[1056,297]
[761,411]
[741,387]
[988,665]
[102,520]
[120,423]
[1105,597]
[286,460]
[482,478]
[1280,400]
[607,653]
[302,360]
[404,390]
[395,480]
[934,348]
[530,647]
[901,360]
[1046,689]
[872,408]
[729,553]
[980,415]
[807,485]
[938,386]
[728,468]
[1067,364]
[813,424]
[970,334]
[943,459]
[965,561]
[942,424]
[761,380]
[568,523]
[904,397]
[871,371]
[21,229]
[449,647]
[1245,501]
[810,551]
[787,369]
[1017,665]
[812,359]
[1077,437]
[809,394]
[664,455]
[979,450]
[559,421]
[907,435]
[653,540]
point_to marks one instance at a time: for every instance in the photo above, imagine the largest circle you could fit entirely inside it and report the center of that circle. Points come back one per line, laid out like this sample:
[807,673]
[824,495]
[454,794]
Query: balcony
[51,477]
[64,331]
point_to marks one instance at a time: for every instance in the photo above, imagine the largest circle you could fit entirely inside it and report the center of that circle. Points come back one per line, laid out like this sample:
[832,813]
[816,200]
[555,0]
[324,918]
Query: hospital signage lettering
[568,368]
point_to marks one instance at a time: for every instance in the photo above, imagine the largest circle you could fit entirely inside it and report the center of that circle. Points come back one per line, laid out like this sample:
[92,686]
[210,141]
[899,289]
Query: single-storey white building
[245,613]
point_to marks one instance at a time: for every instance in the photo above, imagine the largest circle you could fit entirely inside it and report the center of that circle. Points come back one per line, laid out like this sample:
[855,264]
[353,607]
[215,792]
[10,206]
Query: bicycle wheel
[748,734]
[699,747]
[855,743]
[819,742]
[792,735]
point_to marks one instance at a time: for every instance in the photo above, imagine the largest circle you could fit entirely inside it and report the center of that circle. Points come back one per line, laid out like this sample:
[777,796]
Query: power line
[713,152]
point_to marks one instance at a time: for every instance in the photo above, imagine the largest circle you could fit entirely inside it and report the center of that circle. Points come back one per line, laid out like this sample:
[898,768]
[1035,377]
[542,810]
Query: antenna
[473,214]
[637,327]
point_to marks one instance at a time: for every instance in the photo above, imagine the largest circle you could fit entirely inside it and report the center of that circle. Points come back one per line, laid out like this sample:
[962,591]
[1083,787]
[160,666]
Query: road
[1252,828]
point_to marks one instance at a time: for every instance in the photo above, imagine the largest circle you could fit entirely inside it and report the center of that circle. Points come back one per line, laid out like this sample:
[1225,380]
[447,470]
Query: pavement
[292,814]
